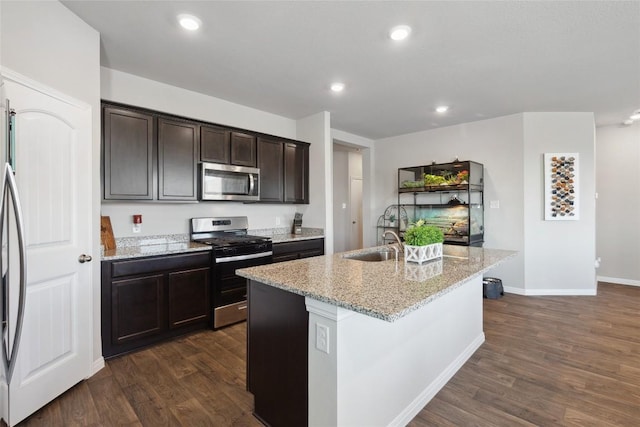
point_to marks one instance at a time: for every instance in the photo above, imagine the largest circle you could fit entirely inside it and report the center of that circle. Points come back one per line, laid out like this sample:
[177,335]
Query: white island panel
[380,373]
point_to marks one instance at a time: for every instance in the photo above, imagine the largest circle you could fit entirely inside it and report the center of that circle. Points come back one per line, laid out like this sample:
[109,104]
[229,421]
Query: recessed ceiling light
[628,122]
[442,109]
[635,115]
[189,22]
[337,87]
[400,32]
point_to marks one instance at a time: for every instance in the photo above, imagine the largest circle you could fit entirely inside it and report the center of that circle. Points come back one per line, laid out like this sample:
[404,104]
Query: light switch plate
[495,204]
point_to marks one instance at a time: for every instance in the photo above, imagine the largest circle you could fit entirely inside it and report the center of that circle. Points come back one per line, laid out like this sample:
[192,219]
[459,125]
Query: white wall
[618,204]
[498,145]
[316,130]
[555,257]
[49,44]
[559,255]
[172,218]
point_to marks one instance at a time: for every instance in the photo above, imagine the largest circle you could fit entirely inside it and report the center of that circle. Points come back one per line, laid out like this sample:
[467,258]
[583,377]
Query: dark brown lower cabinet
[136,308]
[189,297]
[277,355]
[146,300]
[287,251]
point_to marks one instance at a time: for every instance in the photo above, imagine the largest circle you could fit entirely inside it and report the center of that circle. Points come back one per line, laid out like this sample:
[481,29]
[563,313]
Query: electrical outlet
[322,337]
[137,228]
[495,204]
[277,220]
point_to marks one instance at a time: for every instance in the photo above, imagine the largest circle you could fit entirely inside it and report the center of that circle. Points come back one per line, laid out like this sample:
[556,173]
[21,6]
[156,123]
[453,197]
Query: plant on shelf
[434,180]
[423,242]
[462,177]
[392,220]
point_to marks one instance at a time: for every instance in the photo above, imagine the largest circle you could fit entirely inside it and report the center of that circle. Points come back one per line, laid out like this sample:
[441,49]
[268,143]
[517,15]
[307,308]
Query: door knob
[84,258]
[353,222]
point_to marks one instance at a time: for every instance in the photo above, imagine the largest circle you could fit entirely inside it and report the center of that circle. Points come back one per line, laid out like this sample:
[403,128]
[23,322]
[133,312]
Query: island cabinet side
[277,355]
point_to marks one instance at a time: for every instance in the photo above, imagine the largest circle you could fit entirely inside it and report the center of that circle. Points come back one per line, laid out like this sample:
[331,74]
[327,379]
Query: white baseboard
[432,389]
[618,281]
[551,292]
[517,291]
[97,365]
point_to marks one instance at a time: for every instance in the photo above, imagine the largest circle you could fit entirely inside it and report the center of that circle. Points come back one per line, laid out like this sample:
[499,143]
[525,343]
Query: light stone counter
[166,244]
[136,247]
[386,290]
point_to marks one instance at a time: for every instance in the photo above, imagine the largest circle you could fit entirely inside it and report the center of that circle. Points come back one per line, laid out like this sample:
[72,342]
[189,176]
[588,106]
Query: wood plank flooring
[572,361]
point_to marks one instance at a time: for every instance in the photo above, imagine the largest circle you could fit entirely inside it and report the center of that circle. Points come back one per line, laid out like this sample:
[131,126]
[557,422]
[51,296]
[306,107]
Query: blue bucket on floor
[492,288]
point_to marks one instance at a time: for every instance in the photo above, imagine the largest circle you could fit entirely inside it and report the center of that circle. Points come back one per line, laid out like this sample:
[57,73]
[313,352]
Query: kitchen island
[337,341]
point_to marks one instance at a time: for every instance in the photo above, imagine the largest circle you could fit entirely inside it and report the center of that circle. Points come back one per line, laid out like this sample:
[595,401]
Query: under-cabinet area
[149,155]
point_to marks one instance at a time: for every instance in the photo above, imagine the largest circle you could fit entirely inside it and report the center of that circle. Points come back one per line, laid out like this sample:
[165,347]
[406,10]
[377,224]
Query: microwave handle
[252,183]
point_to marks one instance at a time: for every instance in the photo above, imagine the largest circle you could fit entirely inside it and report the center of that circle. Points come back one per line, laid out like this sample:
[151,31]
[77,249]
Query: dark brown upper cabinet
[296,173]
[243,149]
[128,141]
[154,156]
[178,155]
[284,171]
[271,164]
[215,145]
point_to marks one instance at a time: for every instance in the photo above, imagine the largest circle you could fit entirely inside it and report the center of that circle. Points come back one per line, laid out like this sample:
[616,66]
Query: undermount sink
[381,255]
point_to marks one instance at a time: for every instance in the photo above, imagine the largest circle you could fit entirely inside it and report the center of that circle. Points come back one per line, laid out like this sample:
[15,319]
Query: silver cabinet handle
[84,258]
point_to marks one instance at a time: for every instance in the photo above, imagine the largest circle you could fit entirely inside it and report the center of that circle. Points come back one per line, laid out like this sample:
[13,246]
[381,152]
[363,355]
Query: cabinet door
[189,297]
[128,154]
[177,160]
[243,149]
[137,308]
[270,162]
[214,145]
[296,173]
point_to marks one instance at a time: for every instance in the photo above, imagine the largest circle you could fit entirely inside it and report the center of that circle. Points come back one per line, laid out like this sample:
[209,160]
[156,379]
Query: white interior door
[53,172]
[355,202]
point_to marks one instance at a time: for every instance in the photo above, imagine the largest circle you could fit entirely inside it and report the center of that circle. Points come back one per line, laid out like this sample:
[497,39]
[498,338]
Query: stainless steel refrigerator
[12,261]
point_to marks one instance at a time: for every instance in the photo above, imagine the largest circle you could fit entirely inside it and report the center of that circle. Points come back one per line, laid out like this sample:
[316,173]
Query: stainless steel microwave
[227,182]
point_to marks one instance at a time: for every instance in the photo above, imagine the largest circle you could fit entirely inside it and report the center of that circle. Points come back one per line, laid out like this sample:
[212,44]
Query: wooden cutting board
[106,233]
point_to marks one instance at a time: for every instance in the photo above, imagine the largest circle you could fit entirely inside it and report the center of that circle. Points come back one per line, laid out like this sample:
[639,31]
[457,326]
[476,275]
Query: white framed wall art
[561,195]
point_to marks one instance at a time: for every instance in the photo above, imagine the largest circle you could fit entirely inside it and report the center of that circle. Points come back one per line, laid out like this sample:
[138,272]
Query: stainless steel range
[233,248]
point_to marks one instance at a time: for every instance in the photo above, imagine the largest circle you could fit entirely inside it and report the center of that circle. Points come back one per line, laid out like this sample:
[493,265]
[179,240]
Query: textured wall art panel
[561,187]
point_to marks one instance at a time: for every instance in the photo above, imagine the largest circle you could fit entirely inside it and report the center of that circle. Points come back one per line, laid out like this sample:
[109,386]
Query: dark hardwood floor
[546,361]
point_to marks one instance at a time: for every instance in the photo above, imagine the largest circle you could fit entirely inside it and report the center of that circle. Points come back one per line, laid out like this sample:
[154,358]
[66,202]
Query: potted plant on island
[422,242]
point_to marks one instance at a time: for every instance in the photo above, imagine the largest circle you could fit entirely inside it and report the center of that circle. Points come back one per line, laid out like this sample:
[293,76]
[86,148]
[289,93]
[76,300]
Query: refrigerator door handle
[10,190]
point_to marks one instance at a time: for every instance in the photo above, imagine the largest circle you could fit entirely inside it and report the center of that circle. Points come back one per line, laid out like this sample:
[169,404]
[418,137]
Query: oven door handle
[243,257]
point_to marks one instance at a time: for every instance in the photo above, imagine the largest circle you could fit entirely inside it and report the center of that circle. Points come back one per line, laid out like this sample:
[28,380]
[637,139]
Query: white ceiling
[483,58]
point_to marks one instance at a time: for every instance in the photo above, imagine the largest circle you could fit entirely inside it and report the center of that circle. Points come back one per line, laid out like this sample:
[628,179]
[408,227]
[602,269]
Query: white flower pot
[421,254]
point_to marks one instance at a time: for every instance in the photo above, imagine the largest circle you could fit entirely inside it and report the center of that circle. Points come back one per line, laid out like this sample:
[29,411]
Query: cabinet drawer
[231,313]
[155,264]
[298,246]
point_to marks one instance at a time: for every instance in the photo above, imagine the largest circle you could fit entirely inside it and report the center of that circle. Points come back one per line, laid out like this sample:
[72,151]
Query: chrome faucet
[400,244]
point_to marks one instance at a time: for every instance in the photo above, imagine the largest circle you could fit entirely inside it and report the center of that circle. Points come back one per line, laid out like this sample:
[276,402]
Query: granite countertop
[387,290]
[136,247]
[157,245]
